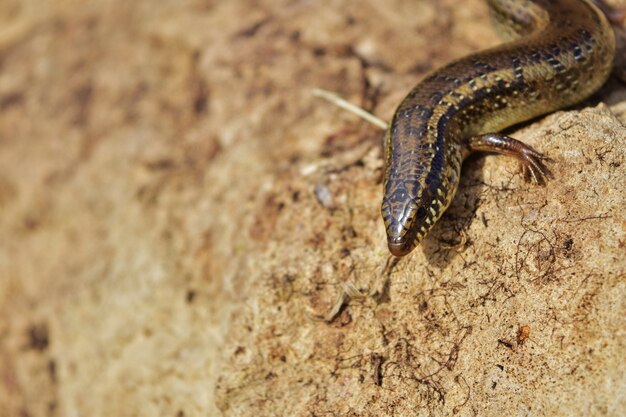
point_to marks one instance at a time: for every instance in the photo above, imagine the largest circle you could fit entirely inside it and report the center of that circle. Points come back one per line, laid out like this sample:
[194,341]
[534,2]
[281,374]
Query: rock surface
[177,211]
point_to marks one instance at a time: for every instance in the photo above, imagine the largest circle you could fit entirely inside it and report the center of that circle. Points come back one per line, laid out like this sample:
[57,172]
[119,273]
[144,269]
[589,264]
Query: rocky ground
[178,213]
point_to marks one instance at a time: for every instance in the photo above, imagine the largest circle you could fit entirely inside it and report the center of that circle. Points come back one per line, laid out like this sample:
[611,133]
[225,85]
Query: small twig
[347,292]
[346,105]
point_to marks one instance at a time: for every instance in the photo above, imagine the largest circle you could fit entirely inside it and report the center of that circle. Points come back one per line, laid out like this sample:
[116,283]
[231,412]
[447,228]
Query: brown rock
[176,212]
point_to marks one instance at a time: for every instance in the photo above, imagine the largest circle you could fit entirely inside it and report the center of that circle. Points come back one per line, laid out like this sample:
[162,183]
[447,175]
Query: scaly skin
[563,53]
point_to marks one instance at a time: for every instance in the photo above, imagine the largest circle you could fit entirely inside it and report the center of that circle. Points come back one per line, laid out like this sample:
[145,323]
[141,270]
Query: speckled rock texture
[179,216]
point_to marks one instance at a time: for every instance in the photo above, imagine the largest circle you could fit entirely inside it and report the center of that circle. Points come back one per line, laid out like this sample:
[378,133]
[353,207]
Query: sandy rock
[177,212]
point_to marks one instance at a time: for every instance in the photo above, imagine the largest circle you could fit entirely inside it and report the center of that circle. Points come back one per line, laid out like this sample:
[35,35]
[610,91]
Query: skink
[562,51]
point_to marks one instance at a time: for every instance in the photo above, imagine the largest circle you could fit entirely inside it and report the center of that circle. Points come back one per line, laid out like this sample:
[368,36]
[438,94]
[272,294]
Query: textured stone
[163,250]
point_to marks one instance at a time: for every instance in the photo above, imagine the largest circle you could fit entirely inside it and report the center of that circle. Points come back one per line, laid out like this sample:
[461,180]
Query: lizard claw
[533,165]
